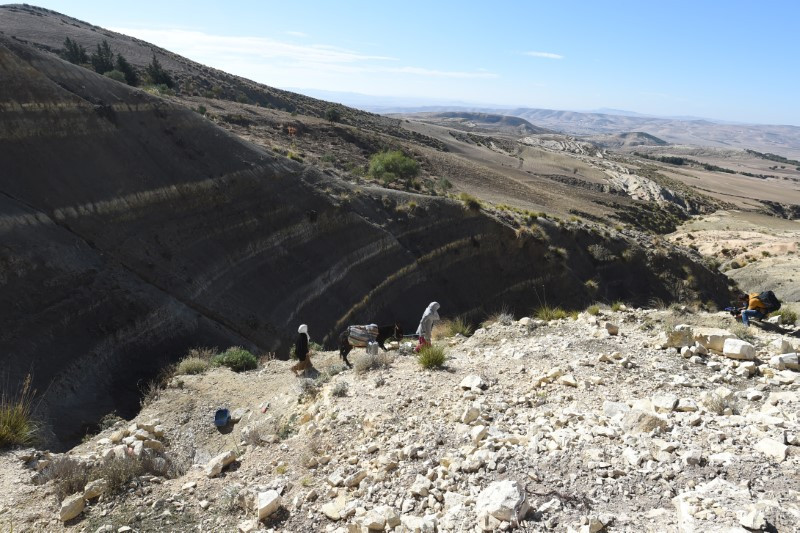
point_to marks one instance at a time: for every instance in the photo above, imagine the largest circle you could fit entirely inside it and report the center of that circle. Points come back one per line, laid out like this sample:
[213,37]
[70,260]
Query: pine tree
[74,53]
[158,75]
[103,58]
[131,78]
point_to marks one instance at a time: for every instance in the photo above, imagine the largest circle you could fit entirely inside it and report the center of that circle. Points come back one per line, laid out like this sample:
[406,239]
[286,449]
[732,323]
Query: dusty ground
[759,252]
[399,442]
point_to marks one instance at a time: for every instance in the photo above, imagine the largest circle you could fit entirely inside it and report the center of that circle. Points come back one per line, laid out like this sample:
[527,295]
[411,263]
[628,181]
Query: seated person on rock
[752,308]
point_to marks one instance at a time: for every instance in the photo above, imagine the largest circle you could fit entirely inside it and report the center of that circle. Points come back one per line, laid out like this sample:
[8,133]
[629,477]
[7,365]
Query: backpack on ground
[770,301]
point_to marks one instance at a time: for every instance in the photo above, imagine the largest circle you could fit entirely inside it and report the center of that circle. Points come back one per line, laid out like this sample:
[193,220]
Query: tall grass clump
[470,202]
[17,427]
[593,310]
[431,357]
[548,313]
[192,365]
[237,359]
[458,326]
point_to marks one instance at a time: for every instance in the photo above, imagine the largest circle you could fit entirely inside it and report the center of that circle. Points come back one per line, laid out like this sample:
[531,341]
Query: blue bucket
[222,417]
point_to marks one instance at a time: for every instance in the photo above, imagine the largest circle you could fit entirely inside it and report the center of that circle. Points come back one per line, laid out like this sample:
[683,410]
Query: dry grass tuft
[17,427]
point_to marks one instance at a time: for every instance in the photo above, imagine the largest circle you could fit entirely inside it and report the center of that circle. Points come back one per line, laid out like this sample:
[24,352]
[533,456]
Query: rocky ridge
[620,421]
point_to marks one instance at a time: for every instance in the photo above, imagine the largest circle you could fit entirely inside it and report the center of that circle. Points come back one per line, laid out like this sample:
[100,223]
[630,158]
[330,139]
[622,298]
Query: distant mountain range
[778,139]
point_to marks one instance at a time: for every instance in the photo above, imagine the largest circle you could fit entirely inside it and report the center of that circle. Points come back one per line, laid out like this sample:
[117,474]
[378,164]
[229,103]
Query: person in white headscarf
[425,329]
[301,351]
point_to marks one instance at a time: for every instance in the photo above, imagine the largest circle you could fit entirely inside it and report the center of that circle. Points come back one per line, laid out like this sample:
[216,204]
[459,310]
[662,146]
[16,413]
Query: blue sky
[728,60]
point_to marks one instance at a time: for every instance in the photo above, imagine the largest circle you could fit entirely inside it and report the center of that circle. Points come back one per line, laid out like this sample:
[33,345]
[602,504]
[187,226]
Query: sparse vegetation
[237,359]
[17,427]
[504,317]
[743,332]
[70,476]
[788,316]
[192,365]
[391,165]
[431,357]
[340,389]
[470,202]
[548,313]
[367,362]
[617,305]
[453,327]
[333,115]
[593,310]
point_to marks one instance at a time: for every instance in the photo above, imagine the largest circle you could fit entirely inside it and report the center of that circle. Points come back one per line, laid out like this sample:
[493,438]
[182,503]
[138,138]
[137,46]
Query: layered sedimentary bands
[132,229]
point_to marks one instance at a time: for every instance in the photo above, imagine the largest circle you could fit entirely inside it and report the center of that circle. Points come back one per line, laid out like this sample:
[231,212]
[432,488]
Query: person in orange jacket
[752,307]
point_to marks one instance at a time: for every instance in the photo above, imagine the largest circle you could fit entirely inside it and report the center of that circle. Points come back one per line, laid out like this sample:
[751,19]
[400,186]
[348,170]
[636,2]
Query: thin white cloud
[546,55]
[440,73]
[296,33]
[198,45]
[259,54]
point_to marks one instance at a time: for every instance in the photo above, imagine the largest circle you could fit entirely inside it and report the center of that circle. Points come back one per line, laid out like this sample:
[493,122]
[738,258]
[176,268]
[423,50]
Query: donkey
[390,331]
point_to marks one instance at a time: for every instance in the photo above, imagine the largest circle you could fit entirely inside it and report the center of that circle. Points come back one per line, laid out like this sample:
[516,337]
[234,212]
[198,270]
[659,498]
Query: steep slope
[134,228]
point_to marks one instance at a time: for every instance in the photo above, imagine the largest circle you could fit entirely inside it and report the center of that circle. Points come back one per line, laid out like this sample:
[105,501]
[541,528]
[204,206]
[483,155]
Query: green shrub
[458,325]
[616,306]
[237,359]
[388,166]
[431,356]
[115,75]
[333,115]
[550,313]
[470,202]
[593,310]
[17,427]
[192,365]
[788,316]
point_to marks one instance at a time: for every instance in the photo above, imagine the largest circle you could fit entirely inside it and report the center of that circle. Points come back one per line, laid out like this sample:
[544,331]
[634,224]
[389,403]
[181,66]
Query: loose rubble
[569,426]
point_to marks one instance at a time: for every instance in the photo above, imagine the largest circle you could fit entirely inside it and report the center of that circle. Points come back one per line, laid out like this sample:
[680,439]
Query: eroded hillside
[134,228]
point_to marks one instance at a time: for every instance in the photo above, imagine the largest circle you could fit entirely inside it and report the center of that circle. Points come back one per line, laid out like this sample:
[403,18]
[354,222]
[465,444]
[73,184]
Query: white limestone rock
[772,449]
[738,349]
[215,466]
[268,503]
[71,507]
[504,500]
[712,338]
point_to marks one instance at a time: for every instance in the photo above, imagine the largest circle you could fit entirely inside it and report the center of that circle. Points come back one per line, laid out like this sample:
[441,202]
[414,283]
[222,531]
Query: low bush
[470,202]
[71,475]
[616,306]
[17,427]
[431,356]
[593,310]
[340,389]
[453,327]
[390,165]
[550,313]
[192,365]
[788,316]
[237,359]
[369,362]
[504,317]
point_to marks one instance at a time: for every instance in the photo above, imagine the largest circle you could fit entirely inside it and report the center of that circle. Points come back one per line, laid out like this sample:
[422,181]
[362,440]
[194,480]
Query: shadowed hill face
[132,229]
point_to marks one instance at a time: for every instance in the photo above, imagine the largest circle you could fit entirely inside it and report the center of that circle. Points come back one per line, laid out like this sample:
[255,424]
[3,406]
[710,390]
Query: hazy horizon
[726,61]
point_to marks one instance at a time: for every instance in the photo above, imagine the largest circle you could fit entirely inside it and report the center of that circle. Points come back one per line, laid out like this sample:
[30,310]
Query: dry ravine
[627,420]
